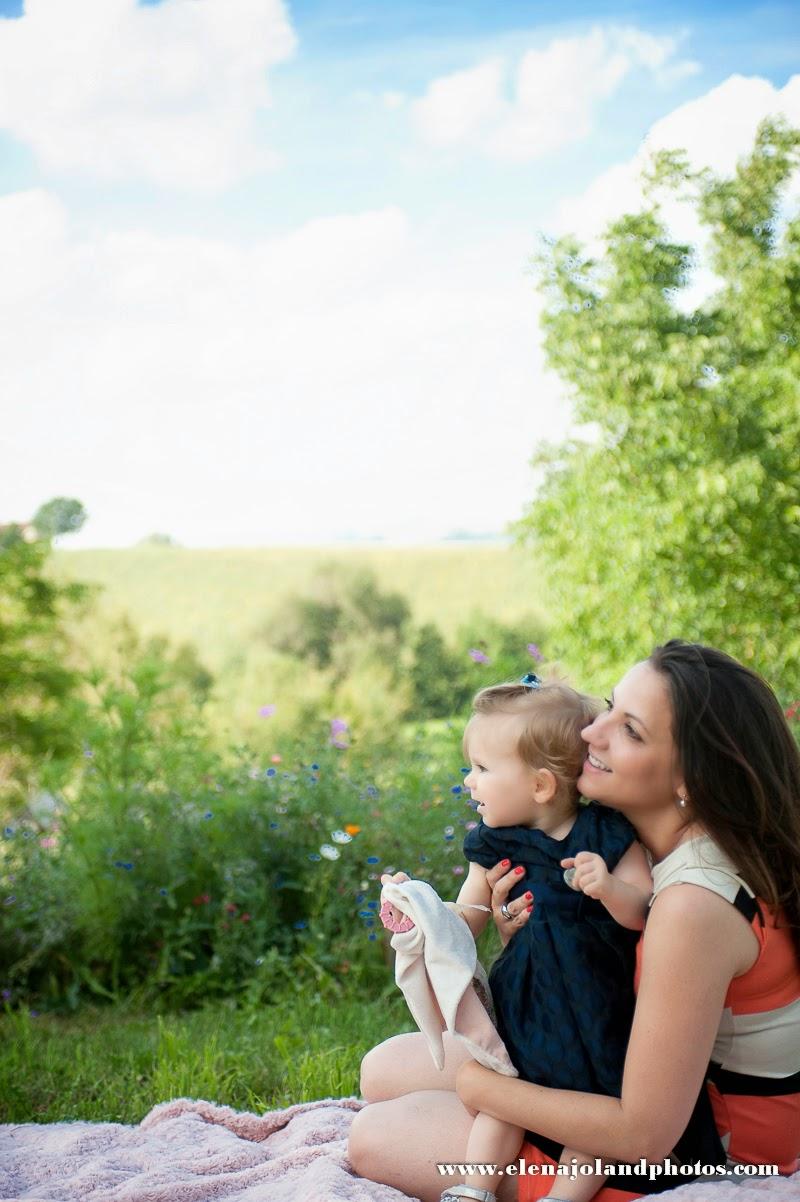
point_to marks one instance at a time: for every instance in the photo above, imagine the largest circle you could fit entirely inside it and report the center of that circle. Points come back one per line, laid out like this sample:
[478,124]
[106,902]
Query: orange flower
[351,828]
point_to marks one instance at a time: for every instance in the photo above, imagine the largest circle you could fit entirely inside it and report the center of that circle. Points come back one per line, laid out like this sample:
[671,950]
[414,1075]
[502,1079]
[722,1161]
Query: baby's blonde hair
[553,716]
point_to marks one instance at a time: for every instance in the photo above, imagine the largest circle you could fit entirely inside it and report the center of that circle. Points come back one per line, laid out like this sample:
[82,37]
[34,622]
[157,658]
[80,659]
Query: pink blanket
[186,1151]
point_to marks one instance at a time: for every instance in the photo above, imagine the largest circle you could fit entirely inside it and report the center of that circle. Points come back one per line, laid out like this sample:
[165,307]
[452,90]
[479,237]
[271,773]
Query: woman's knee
[375,1074]
[364,1141]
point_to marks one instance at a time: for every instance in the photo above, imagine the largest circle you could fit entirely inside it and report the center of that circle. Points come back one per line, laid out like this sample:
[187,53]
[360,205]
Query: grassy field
[221,601]
[114,1064]
[217,598]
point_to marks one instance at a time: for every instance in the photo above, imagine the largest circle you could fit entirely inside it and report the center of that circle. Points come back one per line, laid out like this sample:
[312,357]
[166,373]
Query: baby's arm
[475,892]
[625,892]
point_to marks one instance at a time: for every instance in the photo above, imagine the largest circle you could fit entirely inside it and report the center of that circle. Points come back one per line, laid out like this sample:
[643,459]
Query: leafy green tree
[62,515]
[343,606]
[39,718]
[679,513]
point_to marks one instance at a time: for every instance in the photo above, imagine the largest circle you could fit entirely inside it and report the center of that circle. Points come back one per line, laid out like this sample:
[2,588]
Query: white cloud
[548,101]
[166,93]
[351,376]
[715,130]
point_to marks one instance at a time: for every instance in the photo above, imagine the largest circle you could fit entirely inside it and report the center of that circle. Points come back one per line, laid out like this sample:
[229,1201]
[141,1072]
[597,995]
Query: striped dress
[750,1111]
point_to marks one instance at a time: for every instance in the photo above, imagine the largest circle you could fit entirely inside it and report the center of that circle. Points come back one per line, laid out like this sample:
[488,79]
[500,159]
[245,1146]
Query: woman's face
[632,763]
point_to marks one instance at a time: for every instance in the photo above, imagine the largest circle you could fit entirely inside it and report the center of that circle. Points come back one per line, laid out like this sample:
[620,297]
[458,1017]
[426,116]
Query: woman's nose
[594,731]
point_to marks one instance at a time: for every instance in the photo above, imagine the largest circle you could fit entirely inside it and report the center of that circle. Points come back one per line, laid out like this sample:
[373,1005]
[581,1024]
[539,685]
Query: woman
[695,751]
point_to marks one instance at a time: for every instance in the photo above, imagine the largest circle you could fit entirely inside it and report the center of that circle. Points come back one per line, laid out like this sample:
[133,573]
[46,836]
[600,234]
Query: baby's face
[499,780]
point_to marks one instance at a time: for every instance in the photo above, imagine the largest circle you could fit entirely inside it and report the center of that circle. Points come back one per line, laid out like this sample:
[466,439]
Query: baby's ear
[545,785]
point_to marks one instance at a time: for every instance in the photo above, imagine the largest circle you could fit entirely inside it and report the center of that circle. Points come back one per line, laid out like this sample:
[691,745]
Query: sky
[266,266]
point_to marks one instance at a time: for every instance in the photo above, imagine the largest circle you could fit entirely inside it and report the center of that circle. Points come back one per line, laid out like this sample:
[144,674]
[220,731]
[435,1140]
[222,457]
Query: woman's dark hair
[741,767]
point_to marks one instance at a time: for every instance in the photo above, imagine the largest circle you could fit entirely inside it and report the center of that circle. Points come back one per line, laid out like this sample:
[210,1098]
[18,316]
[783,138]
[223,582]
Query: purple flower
[339,732]
[534,651]
[478,656]
[267,711]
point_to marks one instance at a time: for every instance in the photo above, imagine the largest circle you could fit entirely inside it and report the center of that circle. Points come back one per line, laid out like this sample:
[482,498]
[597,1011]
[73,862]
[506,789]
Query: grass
[217,598]
[114,1065]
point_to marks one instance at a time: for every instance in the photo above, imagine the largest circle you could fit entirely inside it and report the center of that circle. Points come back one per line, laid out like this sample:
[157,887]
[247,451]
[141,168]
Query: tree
[680,514]
[39,723]
[62,515]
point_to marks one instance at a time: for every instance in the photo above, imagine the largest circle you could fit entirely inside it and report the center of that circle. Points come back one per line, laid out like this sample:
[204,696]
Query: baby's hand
[587,873]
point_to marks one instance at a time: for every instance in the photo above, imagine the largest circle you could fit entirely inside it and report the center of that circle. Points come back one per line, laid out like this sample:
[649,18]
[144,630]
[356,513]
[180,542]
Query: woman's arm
[695,943]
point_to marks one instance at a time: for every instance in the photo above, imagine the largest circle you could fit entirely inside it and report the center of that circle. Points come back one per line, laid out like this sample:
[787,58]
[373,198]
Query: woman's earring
[682,802]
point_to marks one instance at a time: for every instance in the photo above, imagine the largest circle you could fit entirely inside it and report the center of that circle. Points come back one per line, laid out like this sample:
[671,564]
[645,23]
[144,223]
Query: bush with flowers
[174,872]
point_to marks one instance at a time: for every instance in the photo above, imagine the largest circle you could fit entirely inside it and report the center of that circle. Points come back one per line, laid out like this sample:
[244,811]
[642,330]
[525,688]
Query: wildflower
[535,653]
[300,925]
[329,851]
[6,995]
[202,899]
[276,759]
[373,859]
[341,837]
[267,711]
[339,734]
[372,936]
[315,767]
[351,828]
[163,892]
[271,771]
[793,710]
[315,857]
[470,826]
[231,907]
[478,656]
[244,917]
[209,814]
[47,842]
[456,789]
[458,870]
[8,832]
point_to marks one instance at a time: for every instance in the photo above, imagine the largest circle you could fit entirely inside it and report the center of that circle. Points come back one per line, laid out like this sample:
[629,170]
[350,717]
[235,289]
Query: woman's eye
[633,733]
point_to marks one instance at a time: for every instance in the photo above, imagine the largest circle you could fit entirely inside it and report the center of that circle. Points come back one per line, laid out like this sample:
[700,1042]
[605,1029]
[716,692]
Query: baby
[563,986]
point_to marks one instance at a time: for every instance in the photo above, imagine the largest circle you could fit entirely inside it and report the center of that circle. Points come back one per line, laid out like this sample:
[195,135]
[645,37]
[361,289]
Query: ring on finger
[504,910]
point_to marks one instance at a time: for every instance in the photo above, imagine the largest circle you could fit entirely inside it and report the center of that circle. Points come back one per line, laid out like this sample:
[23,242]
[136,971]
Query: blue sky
[268,274]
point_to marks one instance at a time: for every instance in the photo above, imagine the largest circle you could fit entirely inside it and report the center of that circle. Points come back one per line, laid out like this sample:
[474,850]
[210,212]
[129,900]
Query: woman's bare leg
[400,1142]
[403,1065]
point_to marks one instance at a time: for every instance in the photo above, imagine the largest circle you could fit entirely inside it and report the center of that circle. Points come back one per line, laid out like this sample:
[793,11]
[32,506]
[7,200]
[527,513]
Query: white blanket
[434,966]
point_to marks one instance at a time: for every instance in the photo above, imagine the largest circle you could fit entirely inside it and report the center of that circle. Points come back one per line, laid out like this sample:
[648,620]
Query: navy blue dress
[563,986]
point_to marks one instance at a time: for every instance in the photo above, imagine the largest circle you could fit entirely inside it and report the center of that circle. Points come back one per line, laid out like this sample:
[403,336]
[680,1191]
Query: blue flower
[300,925]
[372,936]
[373,859]
[315,856]
[271,772]
[209,814]
[456,789]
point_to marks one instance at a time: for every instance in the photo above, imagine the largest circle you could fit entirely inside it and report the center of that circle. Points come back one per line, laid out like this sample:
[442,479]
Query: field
[222,602]
[217,598]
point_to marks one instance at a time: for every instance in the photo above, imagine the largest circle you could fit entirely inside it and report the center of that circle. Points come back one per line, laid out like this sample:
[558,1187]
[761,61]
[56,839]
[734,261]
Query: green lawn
[114,1065]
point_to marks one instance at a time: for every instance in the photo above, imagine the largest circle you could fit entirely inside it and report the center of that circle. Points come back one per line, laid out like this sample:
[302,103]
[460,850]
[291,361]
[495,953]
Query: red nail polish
[505,863]
[518,870]
[529,909]
[529,896]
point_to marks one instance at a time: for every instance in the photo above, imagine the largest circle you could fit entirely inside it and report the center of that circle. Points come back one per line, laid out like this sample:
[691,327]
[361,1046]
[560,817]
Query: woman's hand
[501,879]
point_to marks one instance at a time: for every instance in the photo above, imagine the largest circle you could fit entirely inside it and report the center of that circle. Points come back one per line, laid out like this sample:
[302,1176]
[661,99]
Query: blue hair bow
[531,680]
